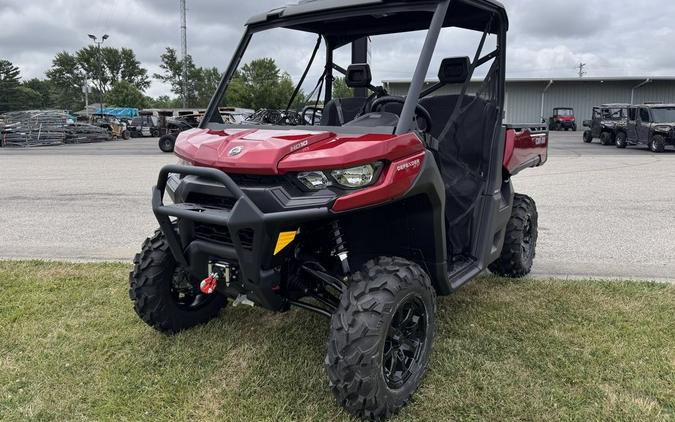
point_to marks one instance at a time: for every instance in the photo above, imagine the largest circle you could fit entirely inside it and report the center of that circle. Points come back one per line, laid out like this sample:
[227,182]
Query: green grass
[71,348]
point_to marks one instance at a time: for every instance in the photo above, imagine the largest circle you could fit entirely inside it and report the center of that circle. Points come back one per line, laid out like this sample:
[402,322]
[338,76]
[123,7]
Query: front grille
[222,235]
[213,233]
[205,200]
[246,238]
[252,180]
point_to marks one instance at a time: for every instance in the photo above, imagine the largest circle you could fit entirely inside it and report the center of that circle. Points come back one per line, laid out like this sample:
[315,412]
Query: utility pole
[86,89]
[184,52]
[100,67]
[582,72]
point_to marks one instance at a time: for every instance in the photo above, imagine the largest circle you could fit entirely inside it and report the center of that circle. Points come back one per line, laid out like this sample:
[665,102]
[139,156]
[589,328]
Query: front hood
[267,151]
[566,118]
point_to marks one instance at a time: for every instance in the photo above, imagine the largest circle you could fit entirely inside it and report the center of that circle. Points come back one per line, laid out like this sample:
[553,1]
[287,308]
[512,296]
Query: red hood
[566,118]
[263,151]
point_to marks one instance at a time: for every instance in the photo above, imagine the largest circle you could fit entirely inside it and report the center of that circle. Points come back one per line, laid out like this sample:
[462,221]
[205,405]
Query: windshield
[283,76]
[613,113]
[664,115]
[565,112]
[332,73]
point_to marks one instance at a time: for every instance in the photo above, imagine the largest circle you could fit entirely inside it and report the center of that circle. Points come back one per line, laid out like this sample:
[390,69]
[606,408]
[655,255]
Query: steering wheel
[419,110]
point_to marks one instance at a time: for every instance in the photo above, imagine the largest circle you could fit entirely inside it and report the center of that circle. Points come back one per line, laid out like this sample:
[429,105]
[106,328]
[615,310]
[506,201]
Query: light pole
[100,68]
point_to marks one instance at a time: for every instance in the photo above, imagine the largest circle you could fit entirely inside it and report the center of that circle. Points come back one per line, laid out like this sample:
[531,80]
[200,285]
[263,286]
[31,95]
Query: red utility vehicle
[563,119]
[364,218]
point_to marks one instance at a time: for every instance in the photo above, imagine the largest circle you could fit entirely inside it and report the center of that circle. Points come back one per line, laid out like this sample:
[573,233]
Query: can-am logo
[409,165]
[539,140]
[299,145]
[235,151]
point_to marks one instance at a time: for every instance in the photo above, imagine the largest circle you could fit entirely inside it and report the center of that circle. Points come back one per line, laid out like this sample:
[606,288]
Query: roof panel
[471,14]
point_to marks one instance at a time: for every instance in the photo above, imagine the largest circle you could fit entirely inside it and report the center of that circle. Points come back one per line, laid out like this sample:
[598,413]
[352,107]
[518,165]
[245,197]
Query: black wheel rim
[185,294]
[405,342]
[527,237]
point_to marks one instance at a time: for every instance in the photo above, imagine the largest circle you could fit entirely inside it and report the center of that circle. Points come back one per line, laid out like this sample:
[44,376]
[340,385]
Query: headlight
[314,180]
[355,177]
[351,178]
[662,128]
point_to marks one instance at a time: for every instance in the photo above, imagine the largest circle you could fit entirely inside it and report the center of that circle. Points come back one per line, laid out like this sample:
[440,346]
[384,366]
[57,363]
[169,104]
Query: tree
[70,72]
[261,84]
[341,90]
[205,82]
[109,65]
[27,99]
[9,85]
[68,78]
[202,82]
[163,101]
[125,94]
[45,90]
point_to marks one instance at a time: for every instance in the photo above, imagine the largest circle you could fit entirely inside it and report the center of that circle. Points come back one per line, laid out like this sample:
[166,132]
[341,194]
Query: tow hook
[208,285]
[219,272]
[242,300]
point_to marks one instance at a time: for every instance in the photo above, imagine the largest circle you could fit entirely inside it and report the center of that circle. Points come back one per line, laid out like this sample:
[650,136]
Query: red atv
[563,119]
[364,218]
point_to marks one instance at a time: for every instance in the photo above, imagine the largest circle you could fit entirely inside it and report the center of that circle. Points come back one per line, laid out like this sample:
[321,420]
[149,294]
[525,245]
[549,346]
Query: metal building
[530,100]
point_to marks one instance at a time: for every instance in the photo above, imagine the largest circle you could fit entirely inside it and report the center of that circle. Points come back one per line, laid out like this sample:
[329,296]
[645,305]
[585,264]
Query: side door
[596,127]
[631,126]
[643,127]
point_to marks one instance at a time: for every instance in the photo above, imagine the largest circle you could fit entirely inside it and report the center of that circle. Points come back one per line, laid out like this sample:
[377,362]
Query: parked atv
[175,126]
[608,123]
[115,127]
[652,125]
[562,119]
[144,125]
[365,218]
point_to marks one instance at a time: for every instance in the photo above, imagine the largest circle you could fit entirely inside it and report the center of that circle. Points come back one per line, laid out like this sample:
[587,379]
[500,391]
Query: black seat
[339,111]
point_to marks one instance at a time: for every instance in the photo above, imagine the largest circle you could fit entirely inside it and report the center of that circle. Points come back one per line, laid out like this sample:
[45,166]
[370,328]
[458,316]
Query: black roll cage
[442,17]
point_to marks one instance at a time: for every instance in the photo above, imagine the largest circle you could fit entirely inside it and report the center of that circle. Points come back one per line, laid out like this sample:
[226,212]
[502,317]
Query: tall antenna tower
[582,72]
[184,50]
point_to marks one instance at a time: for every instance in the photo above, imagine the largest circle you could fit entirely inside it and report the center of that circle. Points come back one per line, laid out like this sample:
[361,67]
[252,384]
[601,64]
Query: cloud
[547,38]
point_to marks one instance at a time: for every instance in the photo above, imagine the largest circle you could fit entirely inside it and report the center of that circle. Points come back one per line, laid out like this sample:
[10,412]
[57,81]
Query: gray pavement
[603,212]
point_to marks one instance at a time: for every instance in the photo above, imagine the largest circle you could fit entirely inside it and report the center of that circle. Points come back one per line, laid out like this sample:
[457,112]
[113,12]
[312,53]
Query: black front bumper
[251,233]
[567,125]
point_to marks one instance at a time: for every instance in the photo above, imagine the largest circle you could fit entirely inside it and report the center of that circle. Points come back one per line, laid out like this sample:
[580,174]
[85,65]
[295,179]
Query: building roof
[636,79]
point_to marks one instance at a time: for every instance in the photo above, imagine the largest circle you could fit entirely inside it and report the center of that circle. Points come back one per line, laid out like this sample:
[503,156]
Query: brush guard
[241,220]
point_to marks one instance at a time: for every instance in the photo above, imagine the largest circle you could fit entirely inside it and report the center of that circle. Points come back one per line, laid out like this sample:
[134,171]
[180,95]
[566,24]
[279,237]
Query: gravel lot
[603,212]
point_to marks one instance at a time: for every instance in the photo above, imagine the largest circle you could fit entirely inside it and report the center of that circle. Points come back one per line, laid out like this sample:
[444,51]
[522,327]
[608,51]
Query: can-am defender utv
[365,218]
[608,123]
[563,119]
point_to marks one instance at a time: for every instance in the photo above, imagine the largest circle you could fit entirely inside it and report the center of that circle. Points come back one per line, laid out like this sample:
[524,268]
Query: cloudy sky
[547,38]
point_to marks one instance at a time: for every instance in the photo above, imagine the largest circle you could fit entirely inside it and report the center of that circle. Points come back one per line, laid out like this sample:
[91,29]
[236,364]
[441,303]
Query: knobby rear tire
[520,241]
